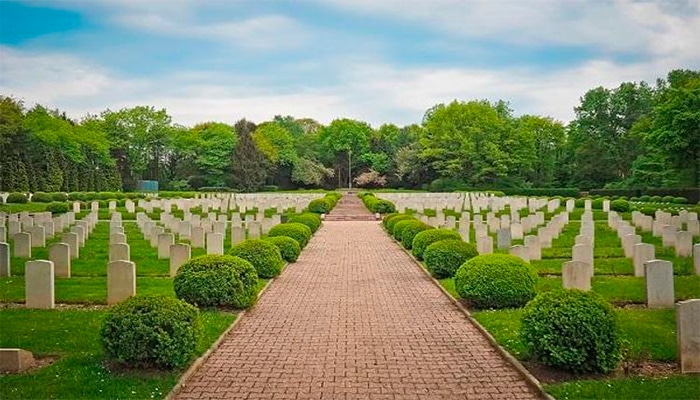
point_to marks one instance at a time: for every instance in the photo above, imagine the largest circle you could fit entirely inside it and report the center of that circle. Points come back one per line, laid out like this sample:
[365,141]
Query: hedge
[289,248]
[299,232]
[376,205]
[428,237]
[443,258]
[217,280]
[265,256]
[313,221]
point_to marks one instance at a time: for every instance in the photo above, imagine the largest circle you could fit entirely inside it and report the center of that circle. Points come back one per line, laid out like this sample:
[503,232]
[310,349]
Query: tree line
[635,135]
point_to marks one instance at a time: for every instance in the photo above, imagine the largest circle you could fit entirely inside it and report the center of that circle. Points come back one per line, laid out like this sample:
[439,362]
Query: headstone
[197,237]
[688,333]
[119,251]
[59,254]
[668,236]
[659,283]
[628,242]
[684,244]
[215,243]
[23,245]
[154,233]
[3,234]
[533,246]
[15,360]
[237,235]
[39,284]
[38,236]
[81,232]
[503,236]
[484,244]
[5,260]
[576,275]
[71,239]
[179,254]
[521,252]
[584,254]
[606,205]
[696,258]
[642,252]
[165,240]
[121,281]
[516,230]
[117,238]
[254,230]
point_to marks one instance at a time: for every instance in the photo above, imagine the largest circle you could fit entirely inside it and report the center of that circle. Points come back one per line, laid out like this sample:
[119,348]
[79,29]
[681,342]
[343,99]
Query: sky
[380,61]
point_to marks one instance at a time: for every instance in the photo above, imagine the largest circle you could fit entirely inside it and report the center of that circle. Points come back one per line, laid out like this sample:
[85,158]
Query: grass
[675,387]
[80,372]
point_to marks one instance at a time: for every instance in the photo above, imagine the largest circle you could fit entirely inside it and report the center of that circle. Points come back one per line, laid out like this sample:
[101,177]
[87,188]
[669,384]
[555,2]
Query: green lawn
[676,387]
[80,372]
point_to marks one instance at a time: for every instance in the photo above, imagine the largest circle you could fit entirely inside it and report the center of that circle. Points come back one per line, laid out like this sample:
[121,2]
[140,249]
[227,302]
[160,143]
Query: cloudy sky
[375,60]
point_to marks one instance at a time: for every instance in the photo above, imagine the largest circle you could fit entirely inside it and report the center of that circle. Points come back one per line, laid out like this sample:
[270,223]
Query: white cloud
[373,91]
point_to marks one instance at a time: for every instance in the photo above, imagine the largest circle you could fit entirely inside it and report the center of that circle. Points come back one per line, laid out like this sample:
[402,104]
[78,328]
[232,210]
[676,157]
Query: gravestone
[688,334]
[576,275]
[254,230]
[642,252]
[503,238]
[520,251]
[39,284]
[80,231]
[516,230]
[668,236]
[117,238]
[179,254]
[197,237]
[165,240]
[5,259]
[121,281]
[484,244]
[59,254]
[628,242]
[38,236]
[237,235]
[696,258]
[659,283]
[3,234]
[584,254]
[684,244]
[15,360]
[71,239]
[533,246]
[154,233]
[119,251]
[215,243]
[23,245]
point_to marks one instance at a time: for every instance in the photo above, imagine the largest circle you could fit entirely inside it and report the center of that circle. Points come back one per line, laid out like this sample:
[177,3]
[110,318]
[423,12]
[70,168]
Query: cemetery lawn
[677,387]
[73,336]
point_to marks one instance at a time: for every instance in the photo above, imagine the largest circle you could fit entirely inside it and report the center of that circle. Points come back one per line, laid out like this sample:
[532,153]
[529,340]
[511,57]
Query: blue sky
[382,61]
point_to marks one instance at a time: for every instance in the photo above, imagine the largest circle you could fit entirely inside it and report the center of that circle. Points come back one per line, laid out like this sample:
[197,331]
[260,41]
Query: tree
[249,167]
[215,143]
[341,142]
[539,149]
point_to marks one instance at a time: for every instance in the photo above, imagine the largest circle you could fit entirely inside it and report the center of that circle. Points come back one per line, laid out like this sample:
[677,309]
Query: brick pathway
[355,318]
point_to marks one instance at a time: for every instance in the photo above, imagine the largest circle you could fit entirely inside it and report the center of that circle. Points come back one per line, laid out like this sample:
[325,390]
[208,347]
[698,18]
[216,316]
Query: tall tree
[343,144]
[249,167]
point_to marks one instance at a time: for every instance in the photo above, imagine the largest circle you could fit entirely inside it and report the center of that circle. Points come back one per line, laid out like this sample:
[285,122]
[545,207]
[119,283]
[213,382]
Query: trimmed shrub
[428,237]
[41,197]
[264,256]
[289,248]
[297,231]
[667,199]
[644,198]
[77,196]
[655,199]
[444,258]
[496,281]
[269,188]
[58,196]
[650,211]
[680,200]
[620,205]
[572,329]
[580,203]
[387,217]
[16,198]
[391,222]
[216,280]
[376,205]
[410,232]
[320,206]
[158,331]
[2,200]
[57,207]
[401,225]
[597,204]
[313,221]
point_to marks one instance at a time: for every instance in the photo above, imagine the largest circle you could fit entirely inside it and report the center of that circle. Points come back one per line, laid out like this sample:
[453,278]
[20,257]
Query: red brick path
[354,318]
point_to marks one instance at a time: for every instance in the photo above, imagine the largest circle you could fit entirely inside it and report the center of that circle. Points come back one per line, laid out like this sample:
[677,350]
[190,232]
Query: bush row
[325,204]
[376,205]
[666,195]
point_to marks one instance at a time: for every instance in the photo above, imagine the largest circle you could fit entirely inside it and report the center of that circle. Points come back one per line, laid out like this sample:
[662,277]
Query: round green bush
[401,225]
[496,281]
[410,232]
[650,211]
[58,196]
[597,204]
[41,197]
[320,206]
[444,258]
[264,256]
[573,330]
[77,196]
[217,280]
[289,248]
[655,199]
[57,207]
[387,217]
[383,207]
[580,203]
[16,198]
[428,237]
[680,200]
[313,221]
[667,199]
[391,223]
[107,196]
[158,331]
[297,231]
[644,198]
[620,205]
